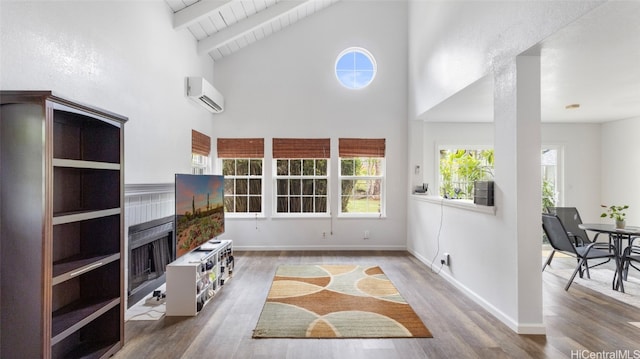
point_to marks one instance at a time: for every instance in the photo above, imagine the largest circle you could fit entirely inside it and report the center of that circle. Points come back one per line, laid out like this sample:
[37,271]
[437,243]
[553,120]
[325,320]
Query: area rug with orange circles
[336,301]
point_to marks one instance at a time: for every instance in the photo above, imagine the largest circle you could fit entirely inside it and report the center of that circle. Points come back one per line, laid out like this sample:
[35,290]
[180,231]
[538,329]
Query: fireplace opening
[151,248]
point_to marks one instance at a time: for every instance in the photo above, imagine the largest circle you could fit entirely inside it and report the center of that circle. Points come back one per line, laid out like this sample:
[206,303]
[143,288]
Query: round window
[355,68]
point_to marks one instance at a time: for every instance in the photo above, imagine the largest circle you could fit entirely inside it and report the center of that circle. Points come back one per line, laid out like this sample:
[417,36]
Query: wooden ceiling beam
[196,12]
[243,27]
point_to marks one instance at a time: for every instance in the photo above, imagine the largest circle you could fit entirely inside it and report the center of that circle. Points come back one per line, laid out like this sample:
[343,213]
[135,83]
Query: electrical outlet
[445,259]
[324,235]
[366,234]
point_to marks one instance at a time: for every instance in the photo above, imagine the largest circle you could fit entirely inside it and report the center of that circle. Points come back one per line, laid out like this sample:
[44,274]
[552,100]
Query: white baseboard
[519,328]
[320,248]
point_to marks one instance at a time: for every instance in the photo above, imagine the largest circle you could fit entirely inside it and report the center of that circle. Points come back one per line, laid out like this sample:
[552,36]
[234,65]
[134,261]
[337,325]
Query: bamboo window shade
[240,147]
[301,148]
[200,143]
[361,147]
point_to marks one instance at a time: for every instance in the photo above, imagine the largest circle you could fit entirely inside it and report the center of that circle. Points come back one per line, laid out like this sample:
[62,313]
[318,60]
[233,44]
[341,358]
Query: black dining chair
[561,242]
[570,218]
[631,257]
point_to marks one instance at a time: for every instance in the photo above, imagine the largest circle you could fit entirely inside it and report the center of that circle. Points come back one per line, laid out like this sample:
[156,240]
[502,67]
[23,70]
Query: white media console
[196,277]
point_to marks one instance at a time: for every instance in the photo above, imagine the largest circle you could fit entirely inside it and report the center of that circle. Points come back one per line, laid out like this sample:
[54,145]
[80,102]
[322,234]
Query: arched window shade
[361,147]
[301,148]
[200,143]
[240,147]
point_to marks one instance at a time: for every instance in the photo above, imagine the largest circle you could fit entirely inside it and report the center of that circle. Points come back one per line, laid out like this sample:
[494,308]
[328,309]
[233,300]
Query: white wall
[435,228]
[451,45]
[285,86]
[122,56]
[620,167]
[582,169]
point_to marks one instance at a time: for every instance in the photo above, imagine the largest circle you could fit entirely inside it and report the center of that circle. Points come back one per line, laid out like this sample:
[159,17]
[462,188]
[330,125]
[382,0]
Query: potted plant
[616,212]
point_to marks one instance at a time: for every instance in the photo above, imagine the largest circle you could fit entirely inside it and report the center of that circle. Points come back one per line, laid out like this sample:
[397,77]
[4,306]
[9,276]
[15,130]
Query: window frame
[248,177]
[237,149]
[200,164]
[438,179]
[559,171]
[200,153]
[302,176]
[368,55]
[382,177]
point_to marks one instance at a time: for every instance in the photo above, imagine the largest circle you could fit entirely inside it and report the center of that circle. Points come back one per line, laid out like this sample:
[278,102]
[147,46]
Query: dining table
[618,235]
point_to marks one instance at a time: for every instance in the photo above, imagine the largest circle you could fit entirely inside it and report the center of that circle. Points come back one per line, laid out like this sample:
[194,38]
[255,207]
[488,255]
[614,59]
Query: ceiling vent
[203,93]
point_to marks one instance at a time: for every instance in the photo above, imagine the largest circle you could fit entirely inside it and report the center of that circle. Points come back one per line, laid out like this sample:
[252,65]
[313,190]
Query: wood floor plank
[576,320]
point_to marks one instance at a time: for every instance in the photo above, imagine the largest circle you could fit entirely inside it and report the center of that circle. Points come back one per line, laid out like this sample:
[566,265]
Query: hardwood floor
[580,319]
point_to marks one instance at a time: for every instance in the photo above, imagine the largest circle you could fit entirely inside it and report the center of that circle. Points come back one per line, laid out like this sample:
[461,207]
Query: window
[550,178]
[460,167]
[200,151]
[301,176]
[242,166]
[199,164]
[362,174]
[355,68]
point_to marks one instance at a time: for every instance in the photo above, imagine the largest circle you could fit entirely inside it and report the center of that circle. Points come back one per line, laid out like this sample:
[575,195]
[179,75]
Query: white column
[517,148]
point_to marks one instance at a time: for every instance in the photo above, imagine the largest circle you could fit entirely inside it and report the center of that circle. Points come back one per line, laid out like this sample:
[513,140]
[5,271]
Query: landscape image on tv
[199,210]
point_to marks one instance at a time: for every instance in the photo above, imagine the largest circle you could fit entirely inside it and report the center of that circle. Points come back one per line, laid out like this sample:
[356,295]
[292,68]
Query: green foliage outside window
[242,185]
[361,185]
[460,168]
[301,186]
[548,194]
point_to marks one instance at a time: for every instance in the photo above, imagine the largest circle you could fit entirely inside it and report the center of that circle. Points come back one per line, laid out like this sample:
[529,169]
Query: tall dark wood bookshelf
[62,219]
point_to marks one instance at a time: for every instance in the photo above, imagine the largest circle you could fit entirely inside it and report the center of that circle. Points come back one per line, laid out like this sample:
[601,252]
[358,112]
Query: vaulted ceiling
[593,62]
[223,27]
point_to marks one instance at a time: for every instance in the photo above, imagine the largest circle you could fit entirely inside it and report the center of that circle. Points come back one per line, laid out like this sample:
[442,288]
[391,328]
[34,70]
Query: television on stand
[199,211]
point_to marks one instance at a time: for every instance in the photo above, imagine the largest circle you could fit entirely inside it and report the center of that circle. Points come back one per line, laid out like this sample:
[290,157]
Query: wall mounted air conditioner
[203,93]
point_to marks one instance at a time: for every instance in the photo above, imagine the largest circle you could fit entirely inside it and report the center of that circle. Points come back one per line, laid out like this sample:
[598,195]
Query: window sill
[244,216]
[361,216]
[300,216]
[456,203]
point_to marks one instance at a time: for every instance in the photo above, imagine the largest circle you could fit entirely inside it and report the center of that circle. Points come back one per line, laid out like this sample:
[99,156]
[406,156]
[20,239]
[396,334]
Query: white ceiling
[594,62]
[223,27]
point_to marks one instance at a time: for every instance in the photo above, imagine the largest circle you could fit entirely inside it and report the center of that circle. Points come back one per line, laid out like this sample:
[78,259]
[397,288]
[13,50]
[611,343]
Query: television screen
[199,210]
